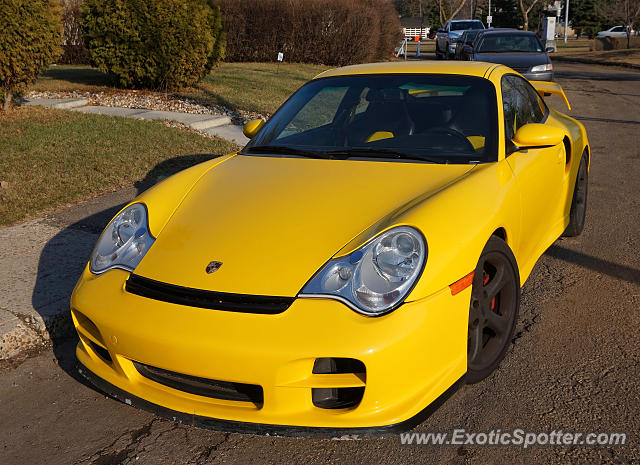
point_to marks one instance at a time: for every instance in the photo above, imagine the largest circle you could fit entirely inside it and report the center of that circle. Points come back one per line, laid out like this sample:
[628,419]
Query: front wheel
[578,211]
[493,312]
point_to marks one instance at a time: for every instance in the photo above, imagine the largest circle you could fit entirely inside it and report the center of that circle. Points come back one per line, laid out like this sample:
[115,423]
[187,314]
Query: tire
[578,211]
[493,310]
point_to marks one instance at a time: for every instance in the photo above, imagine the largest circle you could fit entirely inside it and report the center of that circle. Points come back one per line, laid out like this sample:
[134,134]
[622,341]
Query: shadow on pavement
[595,76]
[615,270]
[65,255]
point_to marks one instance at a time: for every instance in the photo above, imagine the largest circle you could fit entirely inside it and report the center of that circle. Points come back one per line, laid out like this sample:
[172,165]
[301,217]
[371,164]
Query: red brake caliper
[484,283]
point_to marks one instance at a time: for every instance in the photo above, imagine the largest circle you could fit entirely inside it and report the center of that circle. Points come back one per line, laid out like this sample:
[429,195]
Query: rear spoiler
[548,87]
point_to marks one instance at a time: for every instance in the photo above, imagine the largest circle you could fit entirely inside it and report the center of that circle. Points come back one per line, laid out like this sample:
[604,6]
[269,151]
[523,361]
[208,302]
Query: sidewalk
[40,262]
[212,125]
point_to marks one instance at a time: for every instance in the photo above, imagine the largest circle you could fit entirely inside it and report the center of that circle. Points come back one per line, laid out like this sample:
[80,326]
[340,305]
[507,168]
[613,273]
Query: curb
[60,104]
[34,332]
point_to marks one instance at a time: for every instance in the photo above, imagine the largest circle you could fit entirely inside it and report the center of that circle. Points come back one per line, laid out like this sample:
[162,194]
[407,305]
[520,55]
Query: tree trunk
[8,96]
[525,18]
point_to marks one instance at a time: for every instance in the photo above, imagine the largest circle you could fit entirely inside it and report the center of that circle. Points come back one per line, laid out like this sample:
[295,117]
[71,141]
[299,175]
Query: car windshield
[509,43]
[463,25]
[416,117]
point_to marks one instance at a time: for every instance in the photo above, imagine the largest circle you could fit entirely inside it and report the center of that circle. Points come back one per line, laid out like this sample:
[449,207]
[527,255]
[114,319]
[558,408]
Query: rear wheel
[578,211]
[493,312]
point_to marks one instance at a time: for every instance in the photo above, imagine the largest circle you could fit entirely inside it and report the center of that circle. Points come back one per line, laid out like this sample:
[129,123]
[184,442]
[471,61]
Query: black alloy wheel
[578,212]
[493,312]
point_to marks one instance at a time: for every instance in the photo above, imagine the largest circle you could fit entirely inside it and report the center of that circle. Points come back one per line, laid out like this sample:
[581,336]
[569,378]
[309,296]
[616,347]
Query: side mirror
[550,49]
[252,128]
[469,43]
[534,135]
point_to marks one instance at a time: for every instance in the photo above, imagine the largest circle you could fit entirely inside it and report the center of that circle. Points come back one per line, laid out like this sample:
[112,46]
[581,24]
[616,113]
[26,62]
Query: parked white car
[615,31]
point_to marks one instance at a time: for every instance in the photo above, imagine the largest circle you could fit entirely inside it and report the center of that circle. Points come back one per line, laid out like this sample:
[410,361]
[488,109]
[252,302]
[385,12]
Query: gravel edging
[145,100]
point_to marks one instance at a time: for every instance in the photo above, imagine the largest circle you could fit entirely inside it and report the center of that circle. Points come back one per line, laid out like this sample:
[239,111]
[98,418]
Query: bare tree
[525,9]
[627,11]
[449,9]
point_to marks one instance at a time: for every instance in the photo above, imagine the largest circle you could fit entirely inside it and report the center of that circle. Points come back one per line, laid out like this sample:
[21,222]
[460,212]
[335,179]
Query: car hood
[274,221]
[514,60]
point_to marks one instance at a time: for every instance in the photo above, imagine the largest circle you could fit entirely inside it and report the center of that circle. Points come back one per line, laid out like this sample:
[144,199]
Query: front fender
[456,222]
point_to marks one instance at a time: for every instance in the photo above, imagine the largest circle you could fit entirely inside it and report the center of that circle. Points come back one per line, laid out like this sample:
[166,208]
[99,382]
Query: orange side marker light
[461,284]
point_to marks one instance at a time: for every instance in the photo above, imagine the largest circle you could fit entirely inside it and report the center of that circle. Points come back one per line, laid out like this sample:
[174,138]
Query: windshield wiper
[284,150]
[383,153]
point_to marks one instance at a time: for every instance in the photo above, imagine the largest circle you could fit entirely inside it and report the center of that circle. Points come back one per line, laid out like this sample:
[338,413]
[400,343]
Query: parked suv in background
[448,36]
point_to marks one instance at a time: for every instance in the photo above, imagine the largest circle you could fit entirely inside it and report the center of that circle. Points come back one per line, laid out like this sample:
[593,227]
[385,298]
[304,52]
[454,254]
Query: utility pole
[421,29]
[566,20]
[489,18]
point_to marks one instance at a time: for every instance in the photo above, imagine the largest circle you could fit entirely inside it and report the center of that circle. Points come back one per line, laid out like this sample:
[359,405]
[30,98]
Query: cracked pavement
[574,364]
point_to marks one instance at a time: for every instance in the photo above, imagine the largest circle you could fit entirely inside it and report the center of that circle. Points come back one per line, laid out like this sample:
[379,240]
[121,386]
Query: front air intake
[223,390]
[340,397]
[180,295]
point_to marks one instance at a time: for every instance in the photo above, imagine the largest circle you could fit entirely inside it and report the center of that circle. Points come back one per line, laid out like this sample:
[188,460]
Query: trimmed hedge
[615,43]
[30,37]
[331,32]
[153,44]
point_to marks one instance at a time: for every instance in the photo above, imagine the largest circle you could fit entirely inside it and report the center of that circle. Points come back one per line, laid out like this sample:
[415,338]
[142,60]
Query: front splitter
[261,429]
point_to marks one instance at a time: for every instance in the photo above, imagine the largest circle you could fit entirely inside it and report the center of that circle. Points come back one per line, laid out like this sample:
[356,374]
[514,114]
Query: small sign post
[489,21]
[280,58]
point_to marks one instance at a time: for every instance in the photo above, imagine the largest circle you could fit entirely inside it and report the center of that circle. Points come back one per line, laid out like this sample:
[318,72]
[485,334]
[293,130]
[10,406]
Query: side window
[522,105]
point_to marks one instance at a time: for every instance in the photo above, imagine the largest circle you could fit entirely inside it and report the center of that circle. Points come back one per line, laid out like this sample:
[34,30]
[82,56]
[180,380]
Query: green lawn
[52,157]
[69,78]
[258,87]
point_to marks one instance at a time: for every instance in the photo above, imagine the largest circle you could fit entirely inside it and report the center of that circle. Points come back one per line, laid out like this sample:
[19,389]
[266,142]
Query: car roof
[468,68]
[464,20]
[505,30]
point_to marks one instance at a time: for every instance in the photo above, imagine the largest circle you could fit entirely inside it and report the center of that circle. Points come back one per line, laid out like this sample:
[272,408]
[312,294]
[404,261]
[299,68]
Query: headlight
[377,277]
[541,68]
[124,241]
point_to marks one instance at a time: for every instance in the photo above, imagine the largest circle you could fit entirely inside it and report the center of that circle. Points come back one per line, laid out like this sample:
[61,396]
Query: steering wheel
[461,138]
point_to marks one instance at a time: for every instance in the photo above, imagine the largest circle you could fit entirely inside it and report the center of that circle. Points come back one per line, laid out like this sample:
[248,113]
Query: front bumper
[413,356]
[545,76]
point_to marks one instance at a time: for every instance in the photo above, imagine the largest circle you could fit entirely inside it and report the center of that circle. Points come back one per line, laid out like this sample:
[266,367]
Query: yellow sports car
[350,267]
